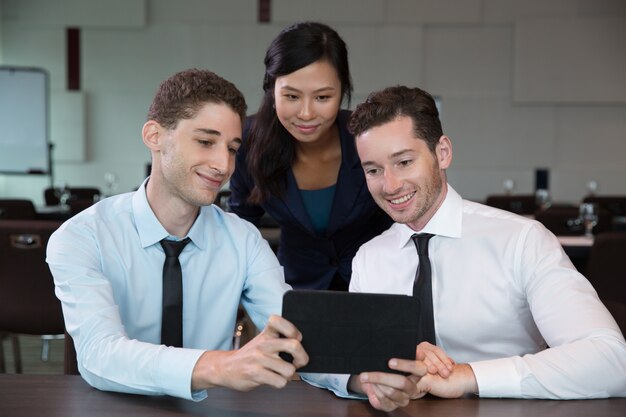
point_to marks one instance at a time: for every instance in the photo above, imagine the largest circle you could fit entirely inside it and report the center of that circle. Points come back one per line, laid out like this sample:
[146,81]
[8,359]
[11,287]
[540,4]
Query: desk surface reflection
[68,396]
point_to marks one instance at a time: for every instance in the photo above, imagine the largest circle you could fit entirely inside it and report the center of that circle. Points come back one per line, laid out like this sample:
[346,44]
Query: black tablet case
[350,333]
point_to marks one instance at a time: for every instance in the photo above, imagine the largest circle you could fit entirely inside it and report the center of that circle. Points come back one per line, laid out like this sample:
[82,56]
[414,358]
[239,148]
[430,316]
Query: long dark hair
[270,148]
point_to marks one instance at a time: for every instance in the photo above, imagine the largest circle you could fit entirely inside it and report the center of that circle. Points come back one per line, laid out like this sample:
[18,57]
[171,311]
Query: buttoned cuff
[497,378]
[174,372]
[337,383]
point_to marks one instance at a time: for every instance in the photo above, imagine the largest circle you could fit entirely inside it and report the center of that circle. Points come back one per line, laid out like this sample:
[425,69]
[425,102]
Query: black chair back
[518,204]
[616,205]
[17,209]
[606,270]
[28,304]
[565,221]
[52,195]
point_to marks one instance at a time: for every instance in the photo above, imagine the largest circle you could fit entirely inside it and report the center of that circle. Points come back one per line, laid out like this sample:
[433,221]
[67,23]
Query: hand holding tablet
[350,333]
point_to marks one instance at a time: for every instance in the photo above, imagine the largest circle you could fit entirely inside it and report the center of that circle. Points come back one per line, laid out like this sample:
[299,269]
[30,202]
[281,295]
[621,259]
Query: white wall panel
[31,47]
[601,8]
[383,56]
[468,61]
[476,183]
[570,60]
[570,184]
[134,60]
[202,11]
[328,11]
[1,59]
[240,60]
[83,13]
[434,11]
[491,133]
[67,126]
[511,10]
[591,138]
[115,129]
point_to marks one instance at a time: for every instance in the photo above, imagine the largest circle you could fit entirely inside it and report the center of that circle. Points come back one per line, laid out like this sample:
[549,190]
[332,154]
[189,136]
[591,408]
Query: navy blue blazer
[310,259]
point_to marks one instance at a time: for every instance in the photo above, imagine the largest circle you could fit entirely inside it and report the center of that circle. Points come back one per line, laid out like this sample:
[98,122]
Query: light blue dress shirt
[107,265]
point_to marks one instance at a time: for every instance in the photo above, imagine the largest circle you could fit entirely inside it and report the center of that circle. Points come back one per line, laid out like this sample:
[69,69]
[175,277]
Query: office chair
[52,195]
[616,205]
[15,209]
[565,221]
[28,304]
[76,206]
[70,363]
[606,270]
[518,204]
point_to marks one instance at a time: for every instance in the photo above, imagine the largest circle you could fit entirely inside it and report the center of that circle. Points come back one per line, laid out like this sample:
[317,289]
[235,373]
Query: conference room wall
[477,55]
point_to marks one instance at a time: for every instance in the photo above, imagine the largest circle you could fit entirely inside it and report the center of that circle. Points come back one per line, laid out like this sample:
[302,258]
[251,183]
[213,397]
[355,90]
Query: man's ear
[444,152]
[152,133]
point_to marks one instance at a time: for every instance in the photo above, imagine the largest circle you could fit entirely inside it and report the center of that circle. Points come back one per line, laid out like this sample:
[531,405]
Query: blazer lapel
[350,183]
[294,203]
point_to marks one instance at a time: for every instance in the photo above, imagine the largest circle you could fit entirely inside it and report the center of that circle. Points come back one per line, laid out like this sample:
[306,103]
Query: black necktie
[172,322]
[423,288]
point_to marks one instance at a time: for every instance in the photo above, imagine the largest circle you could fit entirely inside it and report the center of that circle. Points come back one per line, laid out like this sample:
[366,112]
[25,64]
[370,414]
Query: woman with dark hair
[299,164]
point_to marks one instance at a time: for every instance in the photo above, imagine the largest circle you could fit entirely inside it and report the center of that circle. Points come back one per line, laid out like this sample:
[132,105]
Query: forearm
[209,370]
[459,383]
[579,370]
[466,379]
[141,370]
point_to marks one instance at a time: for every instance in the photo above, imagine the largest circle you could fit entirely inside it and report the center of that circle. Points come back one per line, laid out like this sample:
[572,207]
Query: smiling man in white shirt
[510,310]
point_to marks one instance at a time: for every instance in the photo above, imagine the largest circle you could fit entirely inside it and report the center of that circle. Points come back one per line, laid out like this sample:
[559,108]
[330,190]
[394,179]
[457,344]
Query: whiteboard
[24,121]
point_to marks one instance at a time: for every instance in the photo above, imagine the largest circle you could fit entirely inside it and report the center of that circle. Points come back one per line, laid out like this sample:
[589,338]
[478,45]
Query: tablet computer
[350,333]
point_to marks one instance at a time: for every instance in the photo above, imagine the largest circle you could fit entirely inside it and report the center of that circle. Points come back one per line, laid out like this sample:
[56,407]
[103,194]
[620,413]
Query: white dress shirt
[107,264]
[503,290]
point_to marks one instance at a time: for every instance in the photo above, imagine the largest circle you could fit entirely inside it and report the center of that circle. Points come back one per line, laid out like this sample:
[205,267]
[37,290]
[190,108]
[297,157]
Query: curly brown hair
[385,105]
[181,96]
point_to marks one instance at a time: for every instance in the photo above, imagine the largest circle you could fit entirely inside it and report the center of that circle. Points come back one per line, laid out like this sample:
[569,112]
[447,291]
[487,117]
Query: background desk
[68,396]
[60,213]
[578,249]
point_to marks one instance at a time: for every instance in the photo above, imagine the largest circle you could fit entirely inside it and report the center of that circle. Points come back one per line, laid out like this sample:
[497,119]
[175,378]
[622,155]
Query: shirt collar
[151,231]
[447,220]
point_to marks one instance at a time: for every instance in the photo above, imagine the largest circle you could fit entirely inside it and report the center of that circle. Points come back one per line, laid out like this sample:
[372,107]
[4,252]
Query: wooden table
[60,213]
[69,396]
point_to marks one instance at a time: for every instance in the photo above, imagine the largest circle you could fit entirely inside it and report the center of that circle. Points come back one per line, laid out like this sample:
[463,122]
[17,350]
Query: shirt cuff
[337,383]
[497,378]
[174,372]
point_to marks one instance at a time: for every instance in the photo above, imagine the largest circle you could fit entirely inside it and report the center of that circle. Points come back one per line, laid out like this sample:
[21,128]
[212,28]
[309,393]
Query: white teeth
[402,199]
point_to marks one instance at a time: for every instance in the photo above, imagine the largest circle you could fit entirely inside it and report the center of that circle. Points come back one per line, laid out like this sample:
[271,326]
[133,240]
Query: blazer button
[334,262]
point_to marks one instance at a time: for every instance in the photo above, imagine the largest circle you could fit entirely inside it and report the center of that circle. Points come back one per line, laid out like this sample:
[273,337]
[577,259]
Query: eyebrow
[208,131]
[215,133]
[289,88]
[392,156]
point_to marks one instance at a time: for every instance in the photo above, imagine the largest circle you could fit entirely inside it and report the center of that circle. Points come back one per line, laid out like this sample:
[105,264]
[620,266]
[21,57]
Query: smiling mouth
[402,199]
[211,180]
[306,128]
